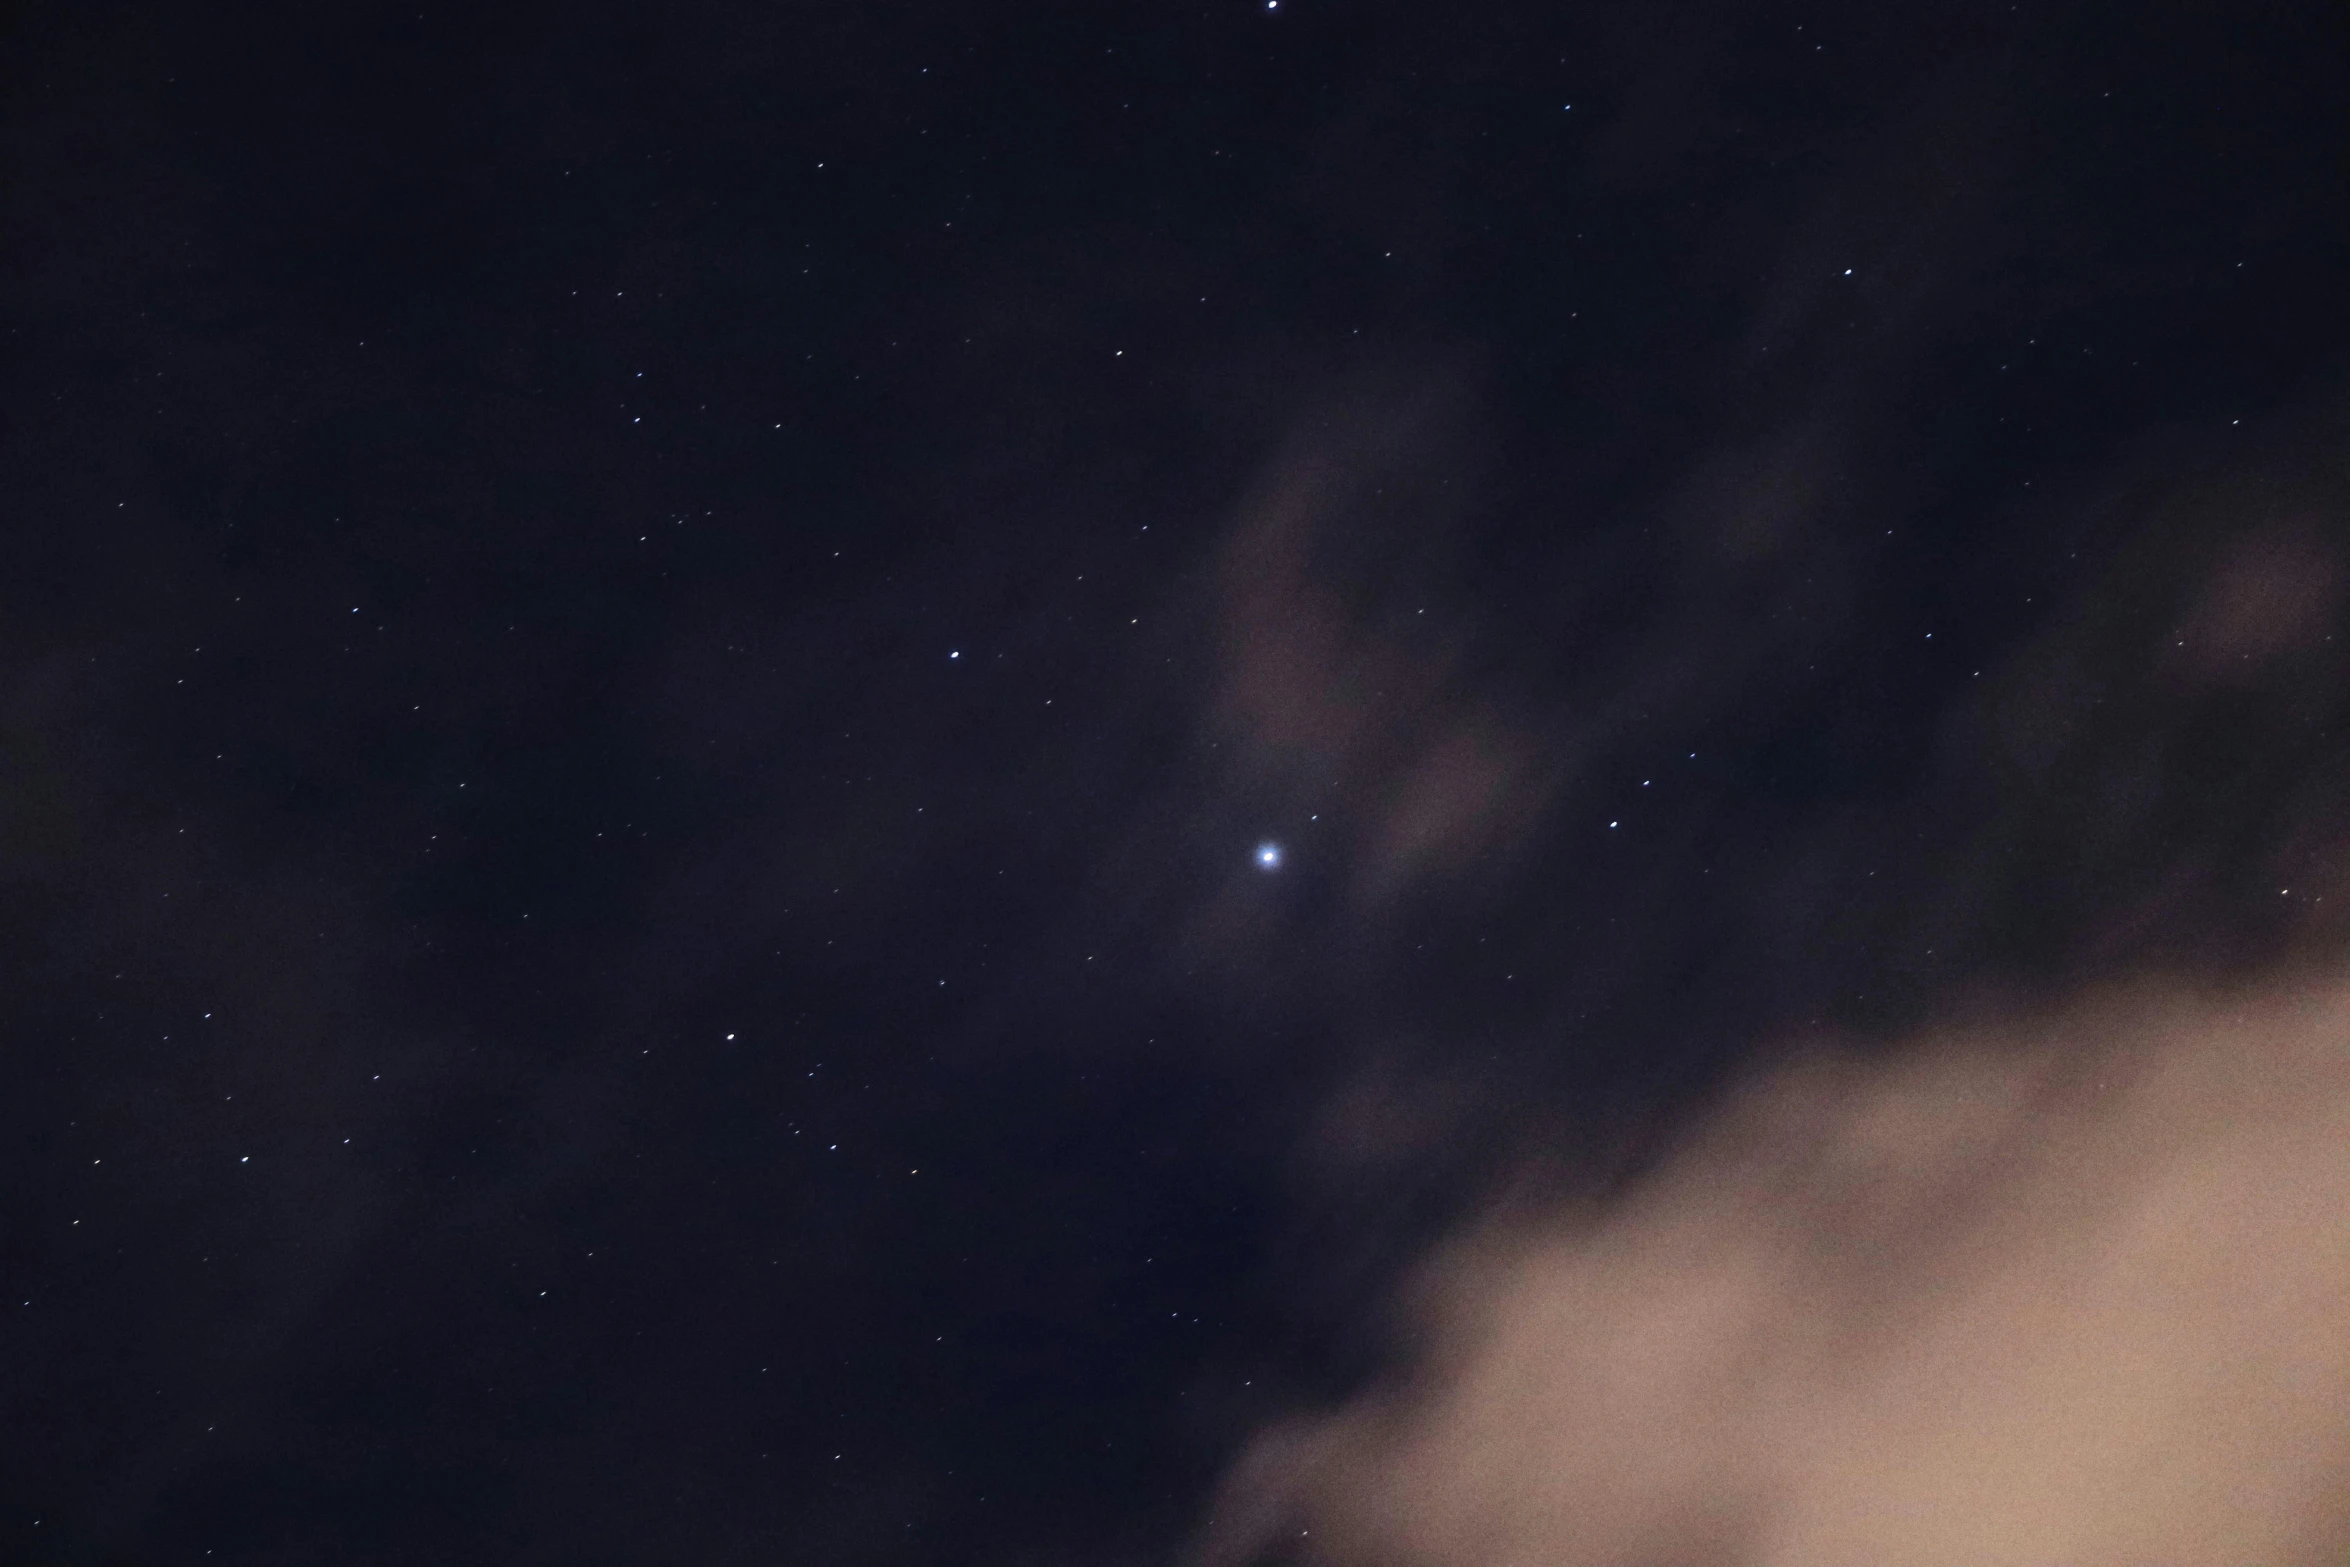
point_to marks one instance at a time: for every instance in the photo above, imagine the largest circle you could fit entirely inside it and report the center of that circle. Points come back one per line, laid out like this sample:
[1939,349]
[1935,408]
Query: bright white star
[1269,856]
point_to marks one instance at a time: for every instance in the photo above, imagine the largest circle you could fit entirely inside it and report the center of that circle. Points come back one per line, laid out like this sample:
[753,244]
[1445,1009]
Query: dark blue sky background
[642,654]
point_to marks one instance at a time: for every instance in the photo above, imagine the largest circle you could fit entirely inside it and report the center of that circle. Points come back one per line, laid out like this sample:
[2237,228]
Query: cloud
[2067,1287]
[1333,679]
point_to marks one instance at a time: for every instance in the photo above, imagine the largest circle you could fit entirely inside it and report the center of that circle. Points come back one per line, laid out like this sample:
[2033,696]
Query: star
[1269,856]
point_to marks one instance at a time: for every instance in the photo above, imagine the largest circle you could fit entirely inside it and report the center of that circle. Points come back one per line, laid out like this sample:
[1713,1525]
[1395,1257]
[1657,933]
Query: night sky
[800,784]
